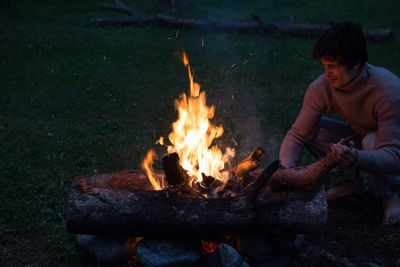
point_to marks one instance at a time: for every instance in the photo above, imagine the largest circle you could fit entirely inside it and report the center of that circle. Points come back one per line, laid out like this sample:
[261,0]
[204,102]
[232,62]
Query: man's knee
[368,142]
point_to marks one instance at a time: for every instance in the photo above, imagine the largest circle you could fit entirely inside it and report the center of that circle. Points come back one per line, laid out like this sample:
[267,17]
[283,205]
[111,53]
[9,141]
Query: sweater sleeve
[385,158]
[305,126]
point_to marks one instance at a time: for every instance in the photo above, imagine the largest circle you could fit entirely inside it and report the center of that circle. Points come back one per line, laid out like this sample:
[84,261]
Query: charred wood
[239,178]
[174,173]
[209,185]
[232,187]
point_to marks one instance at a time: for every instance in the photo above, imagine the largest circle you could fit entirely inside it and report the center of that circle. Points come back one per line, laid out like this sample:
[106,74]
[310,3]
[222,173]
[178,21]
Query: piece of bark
[302,178]
[258,25]
[129,212]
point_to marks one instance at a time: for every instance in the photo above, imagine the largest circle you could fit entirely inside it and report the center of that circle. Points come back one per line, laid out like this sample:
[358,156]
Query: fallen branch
[258,25]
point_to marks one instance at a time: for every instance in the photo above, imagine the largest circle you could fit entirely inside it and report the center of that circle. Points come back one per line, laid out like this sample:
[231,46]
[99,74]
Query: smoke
[237,112]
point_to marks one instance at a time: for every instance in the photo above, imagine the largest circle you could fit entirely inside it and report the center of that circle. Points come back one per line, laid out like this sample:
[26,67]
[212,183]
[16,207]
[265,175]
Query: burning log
[96,207]
[237,181]
[258,25]
[176,176]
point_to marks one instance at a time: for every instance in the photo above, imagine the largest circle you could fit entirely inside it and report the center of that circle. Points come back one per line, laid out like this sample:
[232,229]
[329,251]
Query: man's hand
[345,156]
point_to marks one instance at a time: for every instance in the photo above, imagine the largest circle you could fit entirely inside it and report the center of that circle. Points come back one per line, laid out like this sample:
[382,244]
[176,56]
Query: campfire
[192,140]
[199,194]
[193,160]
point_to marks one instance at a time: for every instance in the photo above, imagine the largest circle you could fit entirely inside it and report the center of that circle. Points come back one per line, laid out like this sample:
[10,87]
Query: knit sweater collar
[357,82]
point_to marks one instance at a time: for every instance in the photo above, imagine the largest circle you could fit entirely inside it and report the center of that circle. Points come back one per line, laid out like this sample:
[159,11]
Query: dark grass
[77,99]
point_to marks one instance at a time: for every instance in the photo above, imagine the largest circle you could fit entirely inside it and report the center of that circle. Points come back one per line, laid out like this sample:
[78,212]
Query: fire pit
[198,194]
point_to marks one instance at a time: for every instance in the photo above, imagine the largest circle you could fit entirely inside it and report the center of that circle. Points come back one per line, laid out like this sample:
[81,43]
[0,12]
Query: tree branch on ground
[257,25]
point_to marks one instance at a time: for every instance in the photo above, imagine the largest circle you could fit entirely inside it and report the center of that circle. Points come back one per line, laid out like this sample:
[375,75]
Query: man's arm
[385,158]
[305,126]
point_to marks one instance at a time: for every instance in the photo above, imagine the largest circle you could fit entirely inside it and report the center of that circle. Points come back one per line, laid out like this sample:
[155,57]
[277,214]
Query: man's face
[339,74]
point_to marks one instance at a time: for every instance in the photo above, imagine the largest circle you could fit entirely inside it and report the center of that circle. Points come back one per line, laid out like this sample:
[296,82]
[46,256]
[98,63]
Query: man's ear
[357,65]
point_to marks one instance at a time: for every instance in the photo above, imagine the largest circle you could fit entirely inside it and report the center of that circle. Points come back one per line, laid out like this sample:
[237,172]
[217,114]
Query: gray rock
[104,249]
[230,257]
[153,252]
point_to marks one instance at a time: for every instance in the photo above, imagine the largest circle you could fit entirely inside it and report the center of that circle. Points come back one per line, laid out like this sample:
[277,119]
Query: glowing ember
[208,247]
[193,134]
[211,246]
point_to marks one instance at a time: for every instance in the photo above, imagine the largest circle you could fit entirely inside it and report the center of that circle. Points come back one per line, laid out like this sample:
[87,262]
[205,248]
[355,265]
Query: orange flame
[193,133]
[160,141]
[192,136]
[146,165]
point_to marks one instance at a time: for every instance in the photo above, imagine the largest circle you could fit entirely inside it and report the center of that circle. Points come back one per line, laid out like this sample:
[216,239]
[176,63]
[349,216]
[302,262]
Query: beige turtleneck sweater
[370,103]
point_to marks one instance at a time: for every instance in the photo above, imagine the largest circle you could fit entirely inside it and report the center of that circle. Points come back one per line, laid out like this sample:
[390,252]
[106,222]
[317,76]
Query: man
[368,98]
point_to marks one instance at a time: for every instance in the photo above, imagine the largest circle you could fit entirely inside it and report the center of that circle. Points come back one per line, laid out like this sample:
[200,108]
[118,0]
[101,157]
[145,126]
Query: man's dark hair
[345,42]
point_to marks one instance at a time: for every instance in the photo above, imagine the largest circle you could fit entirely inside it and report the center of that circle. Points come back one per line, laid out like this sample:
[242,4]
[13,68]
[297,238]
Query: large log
[97,207]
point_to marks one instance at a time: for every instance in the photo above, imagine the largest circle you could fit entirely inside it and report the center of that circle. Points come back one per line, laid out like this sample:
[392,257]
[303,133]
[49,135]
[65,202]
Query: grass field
[77,99]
